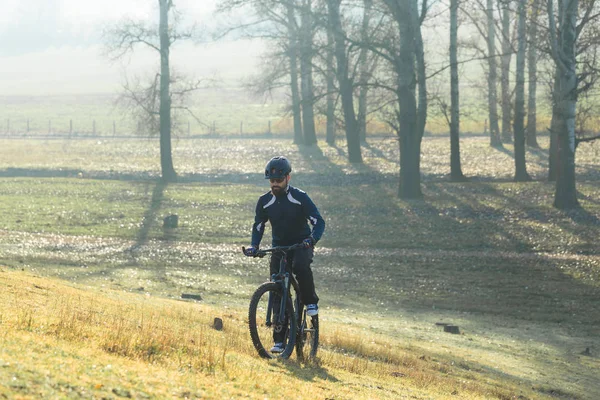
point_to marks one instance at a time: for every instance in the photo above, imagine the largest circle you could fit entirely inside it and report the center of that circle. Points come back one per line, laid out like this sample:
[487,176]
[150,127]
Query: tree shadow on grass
[519,209]
[587,198]
[581,215]
[380,154]
[318,162]
[150,215]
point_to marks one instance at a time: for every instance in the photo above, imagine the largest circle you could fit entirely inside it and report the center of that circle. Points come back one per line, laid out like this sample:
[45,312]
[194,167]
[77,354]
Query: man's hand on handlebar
[308,242]
[250,251]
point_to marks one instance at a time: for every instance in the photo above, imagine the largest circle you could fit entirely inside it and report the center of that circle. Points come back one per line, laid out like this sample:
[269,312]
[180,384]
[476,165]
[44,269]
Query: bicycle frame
[283,278]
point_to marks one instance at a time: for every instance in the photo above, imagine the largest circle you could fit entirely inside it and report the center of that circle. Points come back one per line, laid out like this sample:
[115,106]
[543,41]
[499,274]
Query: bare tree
[292,28]
[408,62]
[156,99]
[519,120]
[280,23]
[505,70]
[345,84]
[306,34]
[363,65]
[532,59]
[482,15]
[456,173]
[565,98]
[330,82]
[495,140]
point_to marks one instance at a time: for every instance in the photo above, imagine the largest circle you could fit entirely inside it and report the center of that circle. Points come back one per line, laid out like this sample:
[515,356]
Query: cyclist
[289,210]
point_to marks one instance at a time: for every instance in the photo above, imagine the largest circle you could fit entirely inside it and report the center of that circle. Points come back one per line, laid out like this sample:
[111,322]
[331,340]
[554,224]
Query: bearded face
[278,185]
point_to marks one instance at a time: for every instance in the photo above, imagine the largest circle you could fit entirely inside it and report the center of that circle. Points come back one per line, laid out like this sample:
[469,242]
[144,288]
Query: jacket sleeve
[258,228]
[312,214]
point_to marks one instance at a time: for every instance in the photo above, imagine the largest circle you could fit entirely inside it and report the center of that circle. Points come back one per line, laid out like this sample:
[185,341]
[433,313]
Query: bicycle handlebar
[283,249]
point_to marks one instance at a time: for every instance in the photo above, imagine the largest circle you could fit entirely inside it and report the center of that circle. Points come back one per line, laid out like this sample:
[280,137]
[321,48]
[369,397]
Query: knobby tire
[254,320]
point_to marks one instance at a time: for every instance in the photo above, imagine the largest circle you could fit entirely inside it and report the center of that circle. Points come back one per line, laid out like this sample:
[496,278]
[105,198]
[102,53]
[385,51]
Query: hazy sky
[54,46]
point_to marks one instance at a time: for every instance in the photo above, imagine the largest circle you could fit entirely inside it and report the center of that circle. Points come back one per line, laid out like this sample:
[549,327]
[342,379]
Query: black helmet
[278,167]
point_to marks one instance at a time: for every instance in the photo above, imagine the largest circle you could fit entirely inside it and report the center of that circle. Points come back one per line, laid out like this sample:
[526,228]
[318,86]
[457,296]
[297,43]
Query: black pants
[300,260]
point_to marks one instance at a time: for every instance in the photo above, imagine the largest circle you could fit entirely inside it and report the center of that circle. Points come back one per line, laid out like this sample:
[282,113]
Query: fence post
[241,127]
[70,128]
[189,128]
[114,128]
[269,131]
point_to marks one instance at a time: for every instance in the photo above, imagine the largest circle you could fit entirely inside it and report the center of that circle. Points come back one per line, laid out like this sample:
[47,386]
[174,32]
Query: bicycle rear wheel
[265,334]
[307,341]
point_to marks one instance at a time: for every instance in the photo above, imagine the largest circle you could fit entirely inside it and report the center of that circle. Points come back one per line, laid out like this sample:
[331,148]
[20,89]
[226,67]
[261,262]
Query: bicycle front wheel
[307,341]
[266,328]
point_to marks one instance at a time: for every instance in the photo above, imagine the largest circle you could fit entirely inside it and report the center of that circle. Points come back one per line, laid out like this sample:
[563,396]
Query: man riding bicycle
[289,210]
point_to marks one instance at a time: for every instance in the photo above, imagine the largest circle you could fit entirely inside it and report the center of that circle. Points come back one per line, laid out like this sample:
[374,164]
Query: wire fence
[73,129]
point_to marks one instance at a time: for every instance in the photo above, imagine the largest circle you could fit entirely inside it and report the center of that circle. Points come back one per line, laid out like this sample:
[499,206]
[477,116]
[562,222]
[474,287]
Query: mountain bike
[276,313]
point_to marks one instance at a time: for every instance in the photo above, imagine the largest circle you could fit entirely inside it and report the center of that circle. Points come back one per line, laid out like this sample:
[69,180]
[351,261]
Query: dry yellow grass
[60,340]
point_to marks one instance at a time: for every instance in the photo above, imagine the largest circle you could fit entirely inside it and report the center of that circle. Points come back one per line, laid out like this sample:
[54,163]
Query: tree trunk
[306,55]
[505,82]
[166,158]
[553,151]
[421,73]
[495,140]
[330,134]
[410,153]
[455,168]
[521,174]
[293,55]
[531,135]
[410,125]
[363,63]
[565,196]
[345,85]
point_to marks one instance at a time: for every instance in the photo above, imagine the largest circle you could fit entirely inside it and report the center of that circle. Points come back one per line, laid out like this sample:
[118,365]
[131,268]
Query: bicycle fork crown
[279,277]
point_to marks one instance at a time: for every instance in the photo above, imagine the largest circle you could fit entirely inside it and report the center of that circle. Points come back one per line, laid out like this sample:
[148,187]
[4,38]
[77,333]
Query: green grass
[519,277]
[226,108]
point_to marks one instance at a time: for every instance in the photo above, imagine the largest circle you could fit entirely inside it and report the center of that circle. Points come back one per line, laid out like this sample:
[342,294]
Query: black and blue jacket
[289,215]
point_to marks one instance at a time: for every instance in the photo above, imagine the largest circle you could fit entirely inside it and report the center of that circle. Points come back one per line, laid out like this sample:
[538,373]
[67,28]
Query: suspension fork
[283,304]
[285,284]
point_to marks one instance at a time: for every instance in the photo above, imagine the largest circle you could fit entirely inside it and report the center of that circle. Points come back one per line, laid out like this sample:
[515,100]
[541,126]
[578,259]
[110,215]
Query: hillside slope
[60,340]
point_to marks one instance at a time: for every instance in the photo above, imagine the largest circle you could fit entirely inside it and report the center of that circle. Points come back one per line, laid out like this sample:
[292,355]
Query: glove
[309,242]
[250,251]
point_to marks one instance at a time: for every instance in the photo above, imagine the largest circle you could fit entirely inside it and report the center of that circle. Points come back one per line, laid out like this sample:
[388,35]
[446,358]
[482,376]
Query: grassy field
[520,279]
[224,107]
